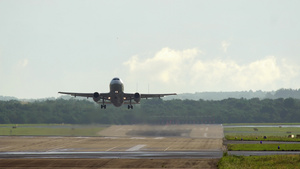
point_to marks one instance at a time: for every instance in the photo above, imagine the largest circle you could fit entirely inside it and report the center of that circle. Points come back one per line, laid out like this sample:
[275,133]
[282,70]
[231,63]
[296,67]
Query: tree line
[152,111]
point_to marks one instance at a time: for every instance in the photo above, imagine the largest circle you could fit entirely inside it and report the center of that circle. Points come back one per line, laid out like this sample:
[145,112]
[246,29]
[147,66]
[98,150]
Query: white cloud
[225,45]
[23,63]
[184,71]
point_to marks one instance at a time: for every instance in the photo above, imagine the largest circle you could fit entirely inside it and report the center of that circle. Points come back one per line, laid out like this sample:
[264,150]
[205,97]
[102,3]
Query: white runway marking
[136,148]
[205,134]
[57,148]
[206,129]
[158,138]
[167,148]
[111,137]
[138,138]
[111,148]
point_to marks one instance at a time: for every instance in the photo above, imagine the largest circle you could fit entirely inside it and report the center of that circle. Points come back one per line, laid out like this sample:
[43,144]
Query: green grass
[263,147]
[50,130]
[252,124]
[260,138]
[272,133]
[265,162]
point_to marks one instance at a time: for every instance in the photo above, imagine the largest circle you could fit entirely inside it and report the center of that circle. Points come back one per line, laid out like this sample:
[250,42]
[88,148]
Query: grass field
[257,133]
[257,124]
[266,162]
[263,147]
[50,130]
[261,138]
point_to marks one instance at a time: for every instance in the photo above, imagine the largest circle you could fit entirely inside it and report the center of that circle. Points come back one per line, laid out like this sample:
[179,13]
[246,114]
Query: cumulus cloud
[185,71]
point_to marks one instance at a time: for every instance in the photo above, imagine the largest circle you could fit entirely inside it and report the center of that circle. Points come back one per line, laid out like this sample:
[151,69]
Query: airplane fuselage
[116,92]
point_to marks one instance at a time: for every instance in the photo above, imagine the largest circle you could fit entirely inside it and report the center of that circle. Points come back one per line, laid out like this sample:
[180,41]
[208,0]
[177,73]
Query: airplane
[116,95]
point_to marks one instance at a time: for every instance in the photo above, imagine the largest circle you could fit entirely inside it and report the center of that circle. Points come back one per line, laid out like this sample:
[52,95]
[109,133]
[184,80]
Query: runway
[136,155]
[114,155]
[126,146]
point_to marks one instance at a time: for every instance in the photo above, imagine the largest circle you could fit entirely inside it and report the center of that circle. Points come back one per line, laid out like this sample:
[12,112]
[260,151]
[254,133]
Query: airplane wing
[156,95]
[87,95]
[131,95]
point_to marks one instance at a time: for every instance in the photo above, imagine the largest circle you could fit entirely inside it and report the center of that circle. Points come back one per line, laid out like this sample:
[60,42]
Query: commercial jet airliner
[116,95]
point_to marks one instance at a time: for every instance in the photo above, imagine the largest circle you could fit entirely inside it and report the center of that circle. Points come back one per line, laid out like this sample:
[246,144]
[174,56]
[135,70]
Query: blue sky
[170,46]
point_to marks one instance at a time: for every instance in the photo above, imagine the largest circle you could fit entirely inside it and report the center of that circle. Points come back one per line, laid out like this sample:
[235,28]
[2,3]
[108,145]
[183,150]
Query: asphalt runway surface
[196,146]
[126,146]
[115,155]
[126,138]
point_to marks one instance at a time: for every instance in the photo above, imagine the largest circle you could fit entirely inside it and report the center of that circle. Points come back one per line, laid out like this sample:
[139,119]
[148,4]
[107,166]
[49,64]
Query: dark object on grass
[265,137]
[260,142]
[278,147]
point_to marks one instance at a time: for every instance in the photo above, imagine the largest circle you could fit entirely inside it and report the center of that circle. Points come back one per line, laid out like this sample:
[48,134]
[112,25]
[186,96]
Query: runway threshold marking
[136,148]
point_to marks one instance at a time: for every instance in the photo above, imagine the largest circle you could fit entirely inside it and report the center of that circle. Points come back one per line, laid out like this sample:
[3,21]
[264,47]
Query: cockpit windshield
[116,79]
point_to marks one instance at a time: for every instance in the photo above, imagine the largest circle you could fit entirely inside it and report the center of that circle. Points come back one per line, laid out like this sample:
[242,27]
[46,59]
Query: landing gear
[130,105]
[103,106]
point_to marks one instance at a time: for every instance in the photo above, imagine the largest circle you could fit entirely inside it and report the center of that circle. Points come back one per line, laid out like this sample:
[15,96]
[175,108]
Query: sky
[154,46]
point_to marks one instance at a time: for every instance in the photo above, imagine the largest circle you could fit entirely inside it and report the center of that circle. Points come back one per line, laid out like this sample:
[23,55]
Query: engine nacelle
[137,97]
[96,96]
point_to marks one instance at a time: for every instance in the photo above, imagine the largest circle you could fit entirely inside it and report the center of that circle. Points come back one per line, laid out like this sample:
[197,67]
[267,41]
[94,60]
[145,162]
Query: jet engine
[137,97]
[96,96]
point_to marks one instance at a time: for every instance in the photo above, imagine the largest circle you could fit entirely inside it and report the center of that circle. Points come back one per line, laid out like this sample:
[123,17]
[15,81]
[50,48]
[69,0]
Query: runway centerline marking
[136,148]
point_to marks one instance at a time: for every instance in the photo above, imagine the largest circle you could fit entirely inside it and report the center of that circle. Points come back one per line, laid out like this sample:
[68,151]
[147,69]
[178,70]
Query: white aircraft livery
[116,96]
